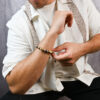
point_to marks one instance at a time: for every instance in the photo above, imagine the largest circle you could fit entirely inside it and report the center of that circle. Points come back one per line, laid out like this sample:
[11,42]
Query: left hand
[72,52]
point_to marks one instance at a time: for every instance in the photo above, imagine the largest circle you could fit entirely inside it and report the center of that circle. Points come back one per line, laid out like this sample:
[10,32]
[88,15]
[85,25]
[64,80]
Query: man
[34,66]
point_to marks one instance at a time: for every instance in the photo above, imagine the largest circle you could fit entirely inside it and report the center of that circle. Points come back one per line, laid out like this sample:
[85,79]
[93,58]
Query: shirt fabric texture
[20,43]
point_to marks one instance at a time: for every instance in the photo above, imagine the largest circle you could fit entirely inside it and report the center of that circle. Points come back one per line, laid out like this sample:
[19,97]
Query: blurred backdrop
[7,9]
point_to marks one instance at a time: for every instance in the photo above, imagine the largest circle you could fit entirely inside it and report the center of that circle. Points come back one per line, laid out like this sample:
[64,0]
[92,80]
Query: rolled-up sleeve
[93,18]
[17,49]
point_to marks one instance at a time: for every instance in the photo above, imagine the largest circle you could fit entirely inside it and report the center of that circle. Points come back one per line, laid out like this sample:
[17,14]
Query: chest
[79,32]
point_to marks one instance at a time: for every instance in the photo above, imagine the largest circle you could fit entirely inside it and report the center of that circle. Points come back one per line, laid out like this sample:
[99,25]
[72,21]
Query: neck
[40,3]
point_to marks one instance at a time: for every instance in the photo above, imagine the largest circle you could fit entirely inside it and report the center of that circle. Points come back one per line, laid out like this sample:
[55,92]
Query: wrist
[52,34]
[86,47]
[48,41]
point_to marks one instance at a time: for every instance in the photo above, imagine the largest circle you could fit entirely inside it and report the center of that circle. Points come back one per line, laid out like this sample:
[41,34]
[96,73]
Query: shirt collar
[34,14]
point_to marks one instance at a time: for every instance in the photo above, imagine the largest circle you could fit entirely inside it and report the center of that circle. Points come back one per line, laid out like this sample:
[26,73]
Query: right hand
[60,19]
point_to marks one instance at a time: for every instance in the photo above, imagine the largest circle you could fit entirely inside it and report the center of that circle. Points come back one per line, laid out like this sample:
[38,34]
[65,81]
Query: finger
[59,48]
[68,62]
[61,56]
[65,60]
[69,19]
[64,65]
[61,53]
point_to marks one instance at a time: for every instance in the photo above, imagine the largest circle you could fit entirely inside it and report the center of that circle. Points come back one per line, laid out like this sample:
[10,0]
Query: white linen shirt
[20,44]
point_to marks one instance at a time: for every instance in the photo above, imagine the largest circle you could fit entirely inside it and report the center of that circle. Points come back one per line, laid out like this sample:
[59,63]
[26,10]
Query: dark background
[7,9]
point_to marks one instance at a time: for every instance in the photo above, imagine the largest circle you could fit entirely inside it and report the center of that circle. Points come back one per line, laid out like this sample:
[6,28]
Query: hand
[72,52]
[61,18]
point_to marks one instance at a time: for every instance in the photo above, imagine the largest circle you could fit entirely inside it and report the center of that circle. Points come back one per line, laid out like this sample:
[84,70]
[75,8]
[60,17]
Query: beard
[40,3]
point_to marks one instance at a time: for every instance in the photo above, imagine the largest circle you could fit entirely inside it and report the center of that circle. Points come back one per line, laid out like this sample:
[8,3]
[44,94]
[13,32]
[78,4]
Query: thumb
[60,56]
[59,48]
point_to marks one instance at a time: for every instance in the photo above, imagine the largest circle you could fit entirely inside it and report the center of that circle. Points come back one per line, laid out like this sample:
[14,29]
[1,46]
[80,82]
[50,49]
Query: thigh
[79,91]
[50,95]
[10,96]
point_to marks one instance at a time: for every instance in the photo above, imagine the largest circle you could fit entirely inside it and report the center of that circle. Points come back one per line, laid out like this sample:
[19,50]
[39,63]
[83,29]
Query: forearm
[92,45]
[28,71]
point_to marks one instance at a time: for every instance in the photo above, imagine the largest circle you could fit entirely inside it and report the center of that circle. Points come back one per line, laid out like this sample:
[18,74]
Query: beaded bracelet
[44,50]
